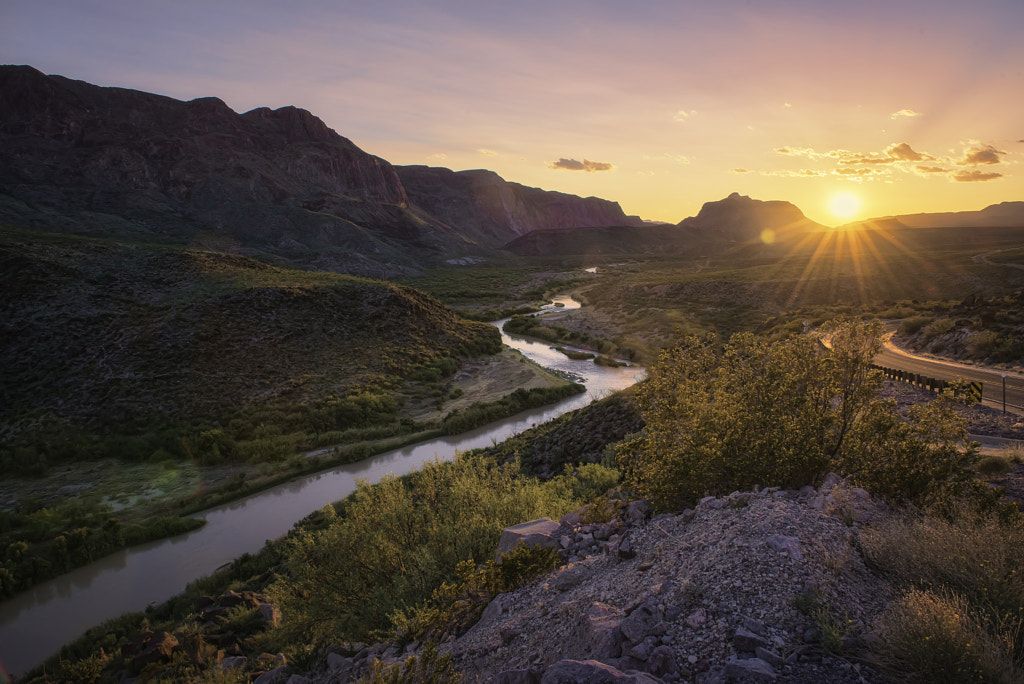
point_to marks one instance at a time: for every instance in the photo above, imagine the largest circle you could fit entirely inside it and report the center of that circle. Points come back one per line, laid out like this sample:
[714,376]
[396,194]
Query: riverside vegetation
[408,558]
[167,355]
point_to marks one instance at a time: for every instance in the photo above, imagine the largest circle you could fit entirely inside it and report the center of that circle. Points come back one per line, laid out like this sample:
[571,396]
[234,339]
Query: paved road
[992,395]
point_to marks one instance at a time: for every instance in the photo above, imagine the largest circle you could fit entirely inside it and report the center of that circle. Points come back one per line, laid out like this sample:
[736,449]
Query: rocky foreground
[756,586]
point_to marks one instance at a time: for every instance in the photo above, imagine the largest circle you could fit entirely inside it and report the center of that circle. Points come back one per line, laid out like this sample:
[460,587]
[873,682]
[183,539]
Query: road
[992,394]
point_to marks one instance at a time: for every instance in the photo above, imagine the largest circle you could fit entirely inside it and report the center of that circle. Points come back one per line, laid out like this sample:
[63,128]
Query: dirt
[484,380]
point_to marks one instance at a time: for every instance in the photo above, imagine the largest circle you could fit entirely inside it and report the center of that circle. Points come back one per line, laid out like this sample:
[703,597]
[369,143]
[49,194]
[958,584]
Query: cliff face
[81,158]
[482,206]
[110,161]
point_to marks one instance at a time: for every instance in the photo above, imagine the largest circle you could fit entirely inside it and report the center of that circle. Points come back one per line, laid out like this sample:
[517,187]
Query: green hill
[125,349]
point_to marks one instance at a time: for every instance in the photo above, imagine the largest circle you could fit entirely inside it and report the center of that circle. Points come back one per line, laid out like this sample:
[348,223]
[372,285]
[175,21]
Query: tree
[754,411]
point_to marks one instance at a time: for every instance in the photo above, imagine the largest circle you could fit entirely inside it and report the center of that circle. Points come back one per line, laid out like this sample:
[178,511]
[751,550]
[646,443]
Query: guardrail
[931,384]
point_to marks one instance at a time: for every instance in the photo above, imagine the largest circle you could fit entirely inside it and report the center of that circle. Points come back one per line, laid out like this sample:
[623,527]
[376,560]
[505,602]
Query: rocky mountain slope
[484,207]
[1004,214]
[85,159]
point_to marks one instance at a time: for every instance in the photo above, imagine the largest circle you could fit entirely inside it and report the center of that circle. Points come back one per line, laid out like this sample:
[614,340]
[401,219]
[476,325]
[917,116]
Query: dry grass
[938,637]
[962,616]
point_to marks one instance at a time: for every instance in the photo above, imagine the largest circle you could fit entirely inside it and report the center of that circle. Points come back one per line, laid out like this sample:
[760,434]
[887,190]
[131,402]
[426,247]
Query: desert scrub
[392,544]
[756,411]
[970,560]
[937,638]
[994,464]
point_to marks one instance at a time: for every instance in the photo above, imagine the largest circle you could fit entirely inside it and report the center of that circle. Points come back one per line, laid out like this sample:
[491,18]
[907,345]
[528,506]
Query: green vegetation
[530,326]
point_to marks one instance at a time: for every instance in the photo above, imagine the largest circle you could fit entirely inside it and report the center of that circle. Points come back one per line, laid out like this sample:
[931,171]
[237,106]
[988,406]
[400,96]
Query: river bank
[34,624]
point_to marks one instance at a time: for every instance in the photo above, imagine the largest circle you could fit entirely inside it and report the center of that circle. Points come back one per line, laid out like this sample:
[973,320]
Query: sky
[849,109]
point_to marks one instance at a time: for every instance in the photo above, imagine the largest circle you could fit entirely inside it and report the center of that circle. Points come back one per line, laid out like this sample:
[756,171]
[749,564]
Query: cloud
[904,113]
[927,170]
[979,153]
[487,153]
[904,152]
[438,157]
[682,115]
[798,152]
[585,165]
[802,173]
[787,105]
[740,170]
[973,176]
[677,158]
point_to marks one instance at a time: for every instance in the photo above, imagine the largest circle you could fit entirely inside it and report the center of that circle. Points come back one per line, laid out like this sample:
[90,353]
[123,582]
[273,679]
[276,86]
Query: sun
[844,205]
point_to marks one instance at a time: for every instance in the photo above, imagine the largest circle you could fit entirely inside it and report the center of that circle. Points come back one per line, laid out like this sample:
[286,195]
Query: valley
[214,325]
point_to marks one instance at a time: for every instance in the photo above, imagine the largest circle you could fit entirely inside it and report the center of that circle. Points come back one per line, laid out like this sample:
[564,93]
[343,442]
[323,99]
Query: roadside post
[1004,394]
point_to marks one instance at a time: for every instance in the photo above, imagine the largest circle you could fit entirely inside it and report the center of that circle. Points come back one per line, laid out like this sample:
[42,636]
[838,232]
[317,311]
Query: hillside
[482,206]
[90,160]
[102,338]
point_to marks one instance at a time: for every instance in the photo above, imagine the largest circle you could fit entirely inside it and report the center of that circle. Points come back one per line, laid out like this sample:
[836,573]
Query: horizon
[849,113]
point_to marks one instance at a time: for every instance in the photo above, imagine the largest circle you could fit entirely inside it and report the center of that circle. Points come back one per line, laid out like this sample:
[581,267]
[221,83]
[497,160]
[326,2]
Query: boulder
[541,532]
[232,663]
[598,635]
[530,676]
[270,615]
[275,676]
[746,641]
[592,672]
[152,647]
[783,544]
[753,669]
[641,622]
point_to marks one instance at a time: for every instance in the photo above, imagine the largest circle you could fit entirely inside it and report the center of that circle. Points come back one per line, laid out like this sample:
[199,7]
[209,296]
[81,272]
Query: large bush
[754,411]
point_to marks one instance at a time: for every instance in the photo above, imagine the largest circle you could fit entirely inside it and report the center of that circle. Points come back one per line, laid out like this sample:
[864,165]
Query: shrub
[910,326]
[939,327]
[994,464]
[753,412]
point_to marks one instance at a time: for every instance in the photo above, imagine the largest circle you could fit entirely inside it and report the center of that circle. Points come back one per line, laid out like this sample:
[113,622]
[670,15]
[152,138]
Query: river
[35,623]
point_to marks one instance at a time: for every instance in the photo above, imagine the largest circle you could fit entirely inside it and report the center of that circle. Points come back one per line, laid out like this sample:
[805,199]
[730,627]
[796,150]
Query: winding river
[35,623]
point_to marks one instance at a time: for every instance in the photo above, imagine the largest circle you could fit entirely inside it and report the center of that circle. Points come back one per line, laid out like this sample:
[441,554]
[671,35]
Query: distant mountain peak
[743,219]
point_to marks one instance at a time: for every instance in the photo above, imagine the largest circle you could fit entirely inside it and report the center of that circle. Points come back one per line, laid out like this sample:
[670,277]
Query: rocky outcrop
[740,219]
[484,207]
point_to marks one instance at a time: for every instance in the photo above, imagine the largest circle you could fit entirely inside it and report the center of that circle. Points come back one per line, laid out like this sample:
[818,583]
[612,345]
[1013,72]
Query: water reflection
[35,623]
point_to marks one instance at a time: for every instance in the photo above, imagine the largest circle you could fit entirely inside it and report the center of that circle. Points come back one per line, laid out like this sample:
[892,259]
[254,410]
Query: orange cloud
[973,176]
[979,153]
[904,113]
[575,165]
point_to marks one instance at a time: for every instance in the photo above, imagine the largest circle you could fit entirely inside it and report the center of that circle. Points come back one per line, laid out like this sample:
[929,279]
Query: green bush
[939,327]
[910,326]
[755,411]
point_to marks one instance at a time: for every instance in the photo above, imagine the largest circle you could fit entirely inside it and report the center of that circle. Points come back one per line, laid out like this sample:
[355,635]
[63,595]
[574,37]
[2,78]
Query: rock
[339,666]
[753,669]
[530,676]
[152,647]
[641,622]
[573,518]
[298,679]
[592,672]
[568,578]
[770,657]
[697,618]
[746,641]
[272,677]
[783,544]
[625,550]
[662,661]
[598,634]
[754,626]
[232,663]
[270,615]
[637,511]
[538,532]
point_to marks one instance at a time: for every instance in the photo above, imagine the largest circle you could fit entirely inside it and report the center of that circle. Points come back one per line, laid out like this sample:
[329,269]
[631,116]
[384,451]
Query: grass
[961,615]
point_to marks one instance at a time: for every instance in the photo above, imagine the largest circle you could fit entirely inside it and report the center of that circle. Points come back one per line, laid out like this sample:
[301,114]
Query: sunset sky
[847,109]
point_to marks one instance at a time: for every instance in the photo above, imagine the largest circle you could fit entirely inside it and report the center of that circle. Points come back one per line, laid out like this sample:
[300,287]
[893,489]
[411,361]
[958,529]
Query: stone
[784,544]
[339,666]
[568,578]
[746,641]
[530,676]
[625,550]
[535,533]
[270,615]
[697,618]
[755,626]
[152,647]
[753,669]
[662,661]
[274,676]
[770,657]
[298,679]
[598,634]
[232,663]
[641,622]
[592,672]
[637,511]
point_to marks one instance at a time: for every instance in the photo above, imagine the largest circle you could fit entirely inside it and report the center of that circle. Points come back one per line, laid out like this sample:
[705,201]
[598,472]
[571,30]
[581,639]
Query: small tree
[754,411]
